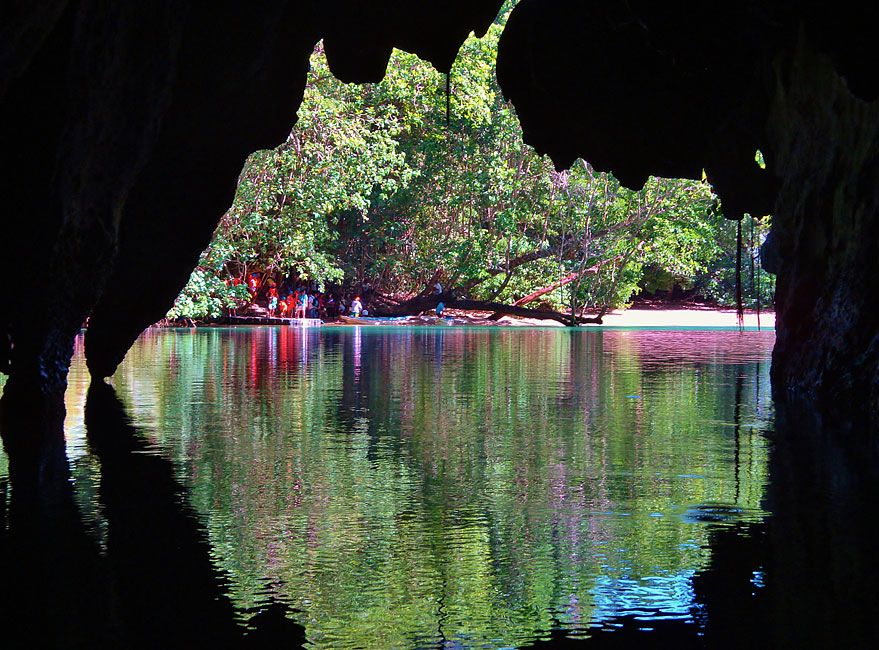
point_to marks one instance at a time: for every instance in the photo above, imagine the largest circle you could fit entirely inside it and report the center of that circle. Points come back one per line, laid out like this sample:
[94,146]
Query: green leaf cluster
[423,177]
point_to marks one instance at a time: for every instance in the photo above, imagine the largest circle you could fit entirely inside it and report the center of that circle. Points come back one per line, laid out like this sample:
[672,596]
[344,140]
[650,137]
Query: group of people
[289,301]
[305,303]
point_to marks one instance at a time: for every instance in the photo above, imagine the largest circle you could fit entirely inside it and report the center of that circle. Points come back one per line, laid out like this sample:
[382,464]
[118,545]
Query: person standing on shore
[331,307]
[356,306]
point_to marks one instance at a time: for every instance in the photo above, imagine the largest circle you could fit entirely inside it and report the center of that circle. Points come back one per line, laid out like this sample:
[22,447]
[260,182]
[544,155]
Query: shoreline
[659,318]
[641,317]
[686,317]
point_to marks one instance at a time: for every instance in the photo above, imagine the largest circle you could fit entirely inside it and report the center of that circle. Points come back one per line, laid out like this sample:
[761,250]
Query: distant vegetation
[401,184]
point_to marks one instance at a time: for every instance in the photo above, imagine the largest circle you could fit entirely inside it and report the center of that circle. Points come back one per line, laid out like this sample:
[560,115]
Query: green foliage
[718,282]
[341,154]
[206,295]
[758,158]
[400,183]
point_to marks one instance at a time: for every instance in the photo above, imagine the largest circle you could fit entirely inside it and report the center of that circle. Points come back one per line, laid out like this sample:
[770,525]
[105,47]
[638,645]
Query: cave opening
[126,128]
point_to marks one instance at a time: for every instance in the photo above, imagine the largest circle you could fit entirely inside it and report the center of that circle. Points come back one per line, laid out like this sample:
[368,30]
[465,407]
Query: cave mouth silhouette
[125,127]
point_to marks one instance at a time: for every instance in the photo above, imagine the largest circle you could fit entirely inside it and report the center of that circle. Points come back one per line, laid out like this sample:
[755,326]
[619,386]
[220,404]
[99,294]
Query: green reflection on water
[404,487]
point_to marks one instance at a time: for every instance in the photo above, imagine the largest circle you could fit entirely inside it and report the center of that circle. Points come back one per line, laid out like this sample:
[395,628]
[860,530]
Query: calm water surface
[402,488]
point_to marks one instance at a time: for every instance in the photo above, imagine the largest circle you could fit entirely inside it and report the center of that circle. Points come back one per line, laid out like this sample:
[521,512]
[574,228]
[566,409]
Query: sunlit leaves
[399,182]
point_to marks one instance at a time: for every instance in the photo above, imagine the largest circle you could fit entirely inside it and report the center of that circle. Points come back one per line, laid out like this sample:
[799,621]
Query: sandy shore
[686,317]
[660,316]
[689,316]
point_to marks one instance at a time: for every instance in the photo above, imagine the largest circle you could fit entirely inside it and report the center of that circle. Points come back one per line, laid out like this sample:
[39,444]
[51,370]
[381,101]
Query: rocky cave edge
[124,127]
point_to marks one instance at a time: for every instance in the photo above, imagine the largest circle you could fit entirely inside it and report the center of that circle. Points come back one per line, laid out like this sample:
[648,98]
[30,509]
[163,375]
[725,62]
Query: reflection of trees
[474,485]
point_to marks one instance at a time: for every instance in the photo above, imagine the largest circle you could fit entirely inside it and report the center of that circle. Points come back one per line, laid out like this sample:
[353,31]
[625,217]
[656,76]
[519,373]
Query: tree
[404,185]
[340,155]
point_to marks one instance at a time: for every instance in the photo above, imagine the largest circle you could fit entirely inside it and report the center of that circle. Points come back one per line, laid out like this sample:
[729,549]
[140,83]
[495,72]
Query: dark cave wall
[77,132]
[825,236]
[233,92]
[641,89]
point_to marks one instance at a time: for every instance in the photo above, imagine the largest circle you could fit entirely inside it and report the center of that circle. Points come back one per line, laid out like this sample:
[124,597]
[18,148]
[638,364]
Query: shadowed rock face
[826,238]
[641,88]
[124,129]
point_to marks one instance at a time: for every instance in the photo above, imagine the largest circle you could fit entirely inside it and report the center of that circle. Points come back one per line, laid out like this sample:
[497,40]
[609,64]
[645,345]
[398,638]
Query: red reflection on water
[253,367]
[283,346]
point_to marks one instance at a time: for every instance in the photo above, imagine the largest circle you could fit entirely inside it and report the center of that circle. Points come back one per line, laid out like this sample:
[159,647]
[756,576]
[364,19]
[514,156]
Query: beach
[686,317]
[640,316]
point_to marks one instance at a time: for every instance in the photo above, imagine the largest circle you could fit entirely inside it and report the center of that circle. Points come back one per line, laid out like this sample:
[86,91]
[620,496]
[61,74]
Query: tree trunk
[514,310]
[419,304]
[531,297]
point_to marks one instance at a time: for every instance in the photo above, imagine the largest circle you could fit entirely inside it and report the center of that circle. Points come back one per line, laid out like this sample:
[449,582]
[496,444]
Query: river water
[438,487]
